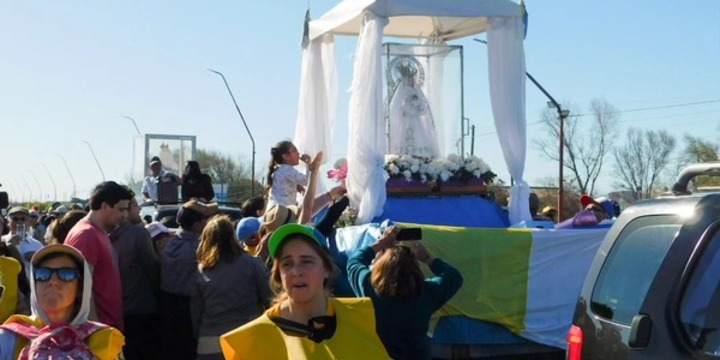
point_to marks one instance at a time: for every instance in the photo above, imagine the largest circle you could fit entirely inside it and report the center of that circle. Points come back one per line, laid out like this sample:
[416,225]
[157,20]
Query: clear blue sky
[70,69]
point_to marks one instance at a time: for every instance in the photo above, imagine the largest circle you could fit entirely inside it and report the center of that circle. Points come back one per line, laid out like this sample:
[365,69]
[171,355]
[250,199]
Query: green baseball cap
[287,230]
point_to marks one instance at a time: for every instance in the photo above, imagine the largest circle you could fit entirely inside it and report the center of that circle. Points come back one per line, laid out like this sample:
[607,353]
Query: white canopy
[439,21]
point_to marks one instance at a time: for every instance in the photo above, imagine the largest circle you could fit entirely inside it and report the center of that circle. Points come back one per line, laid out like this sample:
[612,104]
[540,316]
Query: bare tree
[586,142]
[547,191]
[640,162]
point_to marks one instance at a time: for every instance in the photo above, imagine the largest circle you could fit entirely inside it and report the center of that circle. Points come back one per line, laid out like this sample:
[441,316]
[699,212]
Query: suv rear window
[631,266]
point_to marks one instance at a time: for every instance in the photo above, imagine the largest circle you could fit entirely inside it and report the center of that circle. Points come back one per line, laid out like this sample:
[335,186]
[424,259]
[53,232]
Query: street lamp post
[27,184]
[96,159]
[53,182]
[21,191]
[38,185]
[562,115]
[74,193]
[134,123]
[252,180]
[134,157]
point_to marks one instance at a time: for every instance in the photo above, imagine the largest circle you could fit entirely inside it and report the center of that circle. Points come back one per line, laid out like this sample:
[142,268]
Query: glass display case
[423,94]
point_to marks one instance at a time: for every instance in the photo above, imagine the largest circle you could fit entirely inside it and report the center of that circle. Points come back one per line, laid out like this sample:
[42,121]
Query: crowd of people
[98,282]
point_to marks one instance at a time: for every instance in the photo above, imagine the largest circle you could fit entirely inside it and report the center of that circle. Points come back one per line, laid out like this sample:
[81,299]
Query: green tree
[230,172]
[698,150]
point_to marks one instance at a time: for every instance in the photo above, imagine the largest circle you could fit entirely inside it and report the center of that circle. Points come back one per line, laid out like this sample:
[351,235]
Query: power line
[656,107]
[621,111]
[539,122]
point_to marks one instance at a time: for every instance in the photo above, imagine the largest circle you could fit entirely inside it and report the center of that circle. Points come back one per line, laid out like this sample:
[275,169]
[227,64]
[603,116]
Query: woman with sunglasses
[60,302]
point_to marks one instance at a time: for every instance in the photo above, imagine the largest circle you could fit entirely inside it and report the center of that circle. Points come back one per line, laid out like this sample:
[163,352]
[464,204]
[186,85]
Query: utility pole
[562,115]
[472,140]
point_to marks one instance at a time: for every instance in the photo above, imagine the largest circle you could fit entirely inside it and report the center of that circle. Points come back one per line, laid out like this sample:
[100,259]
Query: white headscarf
[85,291]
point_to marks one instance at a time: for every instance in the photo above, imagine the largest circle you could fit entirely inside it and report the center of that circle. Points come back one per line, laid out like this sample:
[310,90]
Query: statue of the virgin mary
[412,129]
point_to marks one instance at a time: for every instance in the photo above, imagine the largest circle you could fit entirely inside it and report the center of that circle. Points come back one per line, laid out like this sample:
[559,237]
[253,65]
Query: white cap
[61,210]
[156,228]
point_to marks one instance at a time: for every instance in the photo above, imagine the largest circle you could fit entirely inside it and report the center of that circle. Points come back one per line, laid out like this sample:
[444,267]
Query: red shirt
[95,246]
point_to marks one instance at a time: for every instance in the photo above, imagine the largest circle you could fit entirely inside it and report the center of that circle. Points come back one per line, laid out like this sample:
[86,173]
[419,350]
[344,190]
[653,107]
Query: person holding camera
[20,236]
[403,298]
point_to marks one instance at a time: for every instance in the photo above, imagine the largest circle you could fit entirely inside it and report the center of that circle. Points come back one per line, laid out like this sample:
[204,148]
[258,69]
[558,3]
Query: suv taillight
[575,341]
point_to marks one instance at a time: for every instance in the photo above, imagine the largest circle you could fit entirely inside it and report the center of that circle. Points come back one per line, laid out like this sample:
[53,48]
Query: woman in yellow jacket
[60,301]
[305,322]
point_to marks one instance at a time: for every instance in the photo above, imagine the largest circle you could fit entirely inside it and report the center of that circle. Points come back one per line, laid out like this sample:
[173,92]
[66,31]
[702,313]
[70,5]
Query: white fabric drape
[434,87]
[506,65]
[318,98]
[366,123]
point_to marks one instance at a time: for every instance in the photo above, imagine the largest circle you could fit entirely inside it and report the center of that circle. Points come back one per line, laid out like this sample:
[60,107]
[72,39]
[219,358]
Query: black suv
[652,291]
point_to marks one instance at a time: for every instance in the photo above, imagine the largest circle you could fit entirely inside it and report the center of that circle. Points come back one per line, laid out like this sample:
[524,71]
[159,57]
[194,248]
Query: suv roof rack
[681,183]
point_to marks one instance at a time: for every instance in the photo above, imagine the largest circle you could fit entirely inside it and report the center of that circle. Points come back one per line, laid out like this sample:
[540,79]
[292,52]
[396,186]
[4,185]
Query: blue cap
[247,228]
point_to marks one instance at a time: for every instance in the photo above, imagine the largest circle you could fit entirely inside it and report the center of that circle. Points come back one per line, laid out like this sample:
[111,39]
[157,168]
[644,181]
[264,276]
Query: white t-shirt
[150,186]
[284,188]
[27,247]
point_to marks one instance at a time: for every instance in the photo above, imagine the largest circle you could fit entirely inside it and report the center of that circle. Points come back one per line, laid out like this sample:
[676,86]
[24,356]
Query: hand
[15,240]
[305,158]
[262,248]
[337,192]
[316,162]
[387,239]
[421,252]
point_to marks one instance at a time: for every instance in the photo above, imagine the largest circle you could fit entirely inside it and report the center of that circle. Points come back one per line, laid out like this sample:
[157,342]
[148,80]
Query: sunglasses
[66,274]
[18,219]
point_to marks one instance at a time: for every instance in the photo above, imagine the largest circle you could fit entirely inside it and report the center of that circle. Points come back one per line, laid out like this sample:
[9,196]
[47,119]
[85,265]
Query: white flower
[426,169]
[393,169]
[434,168]
[445,175]
[407,174]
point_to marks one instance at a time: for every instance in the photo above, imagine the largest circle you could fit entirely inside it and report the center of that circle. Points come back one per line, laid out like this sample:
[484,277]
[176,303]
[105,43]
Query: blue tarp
[466,211]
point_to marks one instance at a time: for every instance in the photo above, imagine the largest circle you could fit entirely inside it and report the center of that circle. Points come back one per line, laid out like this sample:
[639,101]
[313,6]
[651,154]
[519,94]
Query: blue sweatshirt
[402,324]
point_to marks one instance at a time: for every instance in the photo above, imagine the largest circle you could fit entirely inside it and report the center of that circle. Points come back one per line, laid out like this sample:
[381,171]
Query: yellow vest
[354,338]
[105,344]
[9,270]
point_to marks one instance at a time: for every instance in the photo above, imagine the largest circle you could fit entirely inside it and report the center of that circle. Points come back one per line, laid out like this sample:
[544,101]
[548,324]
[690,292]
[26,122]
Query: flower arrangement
[452,168]
[339,171]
